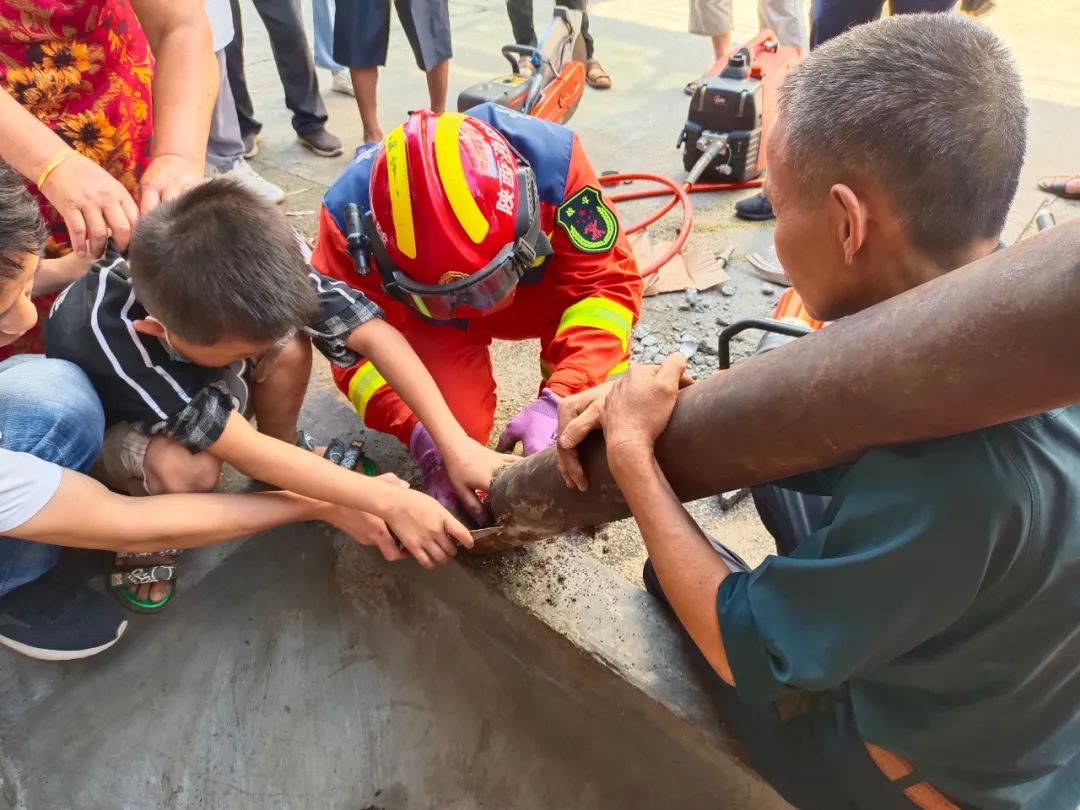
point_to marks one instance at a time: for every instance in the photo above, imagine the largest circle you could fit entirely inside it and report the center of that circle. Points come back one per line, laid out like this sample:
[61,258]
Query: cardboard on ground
[693,267]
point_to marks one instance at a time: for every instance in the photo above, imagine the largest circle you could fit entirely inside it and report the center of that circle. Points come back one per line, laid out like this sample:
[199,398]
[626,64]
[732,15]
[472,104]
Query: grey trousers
[787,19]
[225,145]
[285,25]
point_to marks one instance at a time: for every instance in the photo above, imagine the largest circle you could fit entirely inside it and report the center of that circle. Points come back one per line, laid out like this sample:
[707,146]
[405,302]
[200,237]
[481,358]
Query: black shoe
[58,618]
[321,142]
[251,144]
[756,208]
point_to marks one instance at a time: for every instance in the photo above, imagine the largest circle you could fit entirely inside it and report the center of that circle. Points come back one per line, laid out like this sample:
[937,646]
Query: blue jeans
[48,408]
[831,18]
[323,13]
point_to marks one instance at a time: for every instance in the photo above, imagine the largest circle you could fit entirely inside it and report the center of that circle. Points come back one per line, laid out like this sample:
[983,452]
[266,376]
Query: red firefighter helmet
[455,215]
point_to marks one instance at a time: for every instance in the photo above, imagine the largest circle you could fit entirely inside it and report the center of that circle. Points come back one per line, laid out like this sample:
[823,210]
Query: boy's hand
[471,466]
[639,405]
[368,529]
[424,528]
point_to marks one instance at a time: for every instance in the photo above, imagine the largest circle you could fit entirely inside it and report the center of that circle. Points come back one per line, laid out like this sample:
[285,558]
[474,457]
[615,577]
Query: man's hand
[535,427]
[471,466]
[167,177]
[639,406]
[579,415]
[424,528]
[93,204]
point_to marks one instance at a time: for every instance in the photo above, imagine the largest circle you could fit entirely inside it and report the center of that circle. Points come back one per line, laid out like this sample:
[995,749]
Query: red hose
[680,194]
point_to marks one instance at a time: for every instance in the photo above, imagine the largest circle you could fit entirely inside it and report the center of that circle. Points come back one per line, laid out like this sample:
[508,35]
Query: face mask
[169,348]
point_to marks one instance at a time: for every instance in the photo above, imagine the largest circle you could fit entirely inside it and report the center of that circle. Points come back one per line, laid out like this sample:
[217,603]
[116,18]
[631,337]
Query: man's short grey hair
[928,107]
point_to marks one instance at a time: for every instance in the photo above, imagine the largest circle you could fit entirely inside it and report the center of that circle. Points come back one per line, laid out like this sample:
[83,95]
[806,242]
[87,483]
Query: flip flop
[596,76]
[1062,186]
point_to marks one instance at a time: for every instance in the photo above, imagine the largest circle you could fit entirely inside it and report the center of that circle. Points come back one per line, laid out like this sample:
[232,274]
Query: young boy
[51,425]
[208,325]
[916,645]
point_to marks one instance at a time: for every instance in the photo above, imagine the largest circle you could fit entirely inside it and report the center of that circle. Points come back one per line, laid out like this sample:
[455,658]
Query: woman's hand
[167,177]
[93,204]
[471,467]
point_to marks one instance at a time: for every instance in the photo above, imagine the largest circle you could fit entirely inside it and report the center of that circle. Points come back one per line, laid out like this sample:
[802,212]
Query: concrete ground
[297,671]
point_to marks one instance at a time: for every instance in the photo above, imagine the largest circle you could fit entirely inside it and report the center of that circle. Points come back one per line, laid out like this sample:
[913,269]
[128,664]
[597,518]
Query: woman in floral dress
[85,115]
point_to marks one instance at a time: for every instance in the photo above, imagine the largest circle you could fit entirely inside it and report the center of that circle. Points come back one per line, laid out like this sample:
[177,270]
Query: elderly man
[918,645]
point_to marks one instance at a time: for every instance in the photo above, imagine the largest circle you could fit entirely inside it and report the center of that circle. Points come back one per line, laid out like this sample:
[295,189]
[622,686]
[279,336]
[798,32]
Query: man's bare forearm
[84,514]
[688,568]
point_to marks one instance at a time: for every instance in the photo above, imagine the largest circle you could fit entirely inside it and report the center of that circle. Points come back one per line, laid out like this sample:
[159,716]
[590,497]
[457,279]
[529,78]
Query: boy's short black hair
[221,262]
[22,230]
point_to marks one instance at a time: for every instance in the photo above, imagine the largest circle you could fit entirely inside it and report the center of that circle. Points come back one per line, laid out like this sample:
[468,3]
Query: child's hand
[366,529]
[471,466]
[424,528]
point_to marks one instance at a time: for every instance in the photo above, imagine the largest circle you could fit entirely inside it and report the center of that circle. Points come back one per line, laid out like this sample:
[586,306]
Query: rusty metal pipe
[990,342]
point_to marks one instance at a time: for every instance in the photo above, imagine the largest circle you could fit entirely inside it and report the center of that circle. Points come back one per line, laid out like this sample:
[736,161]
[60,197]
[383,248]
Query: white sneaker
[341,82]
[242,172]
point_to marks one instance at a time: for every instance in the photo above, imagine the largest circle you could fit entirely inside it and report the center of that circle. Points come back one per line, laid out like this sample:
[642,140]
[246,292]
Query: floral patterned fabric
[83,67]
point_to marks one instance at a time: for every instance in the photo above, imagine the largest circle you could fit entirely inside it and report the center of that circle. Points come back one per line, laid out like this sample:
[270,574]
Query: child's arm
[84,514]
[56,274]
[427,530]
[471,465]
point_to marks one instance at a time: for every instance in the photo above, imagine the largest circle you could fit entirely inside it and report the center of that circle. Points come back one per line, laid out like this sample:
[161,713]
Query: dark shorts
[362,31]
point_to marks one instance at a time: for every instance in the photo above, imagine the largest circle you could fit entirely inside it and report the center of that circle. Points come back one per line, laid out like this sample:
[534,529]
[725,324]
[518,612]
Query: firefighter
[480,226]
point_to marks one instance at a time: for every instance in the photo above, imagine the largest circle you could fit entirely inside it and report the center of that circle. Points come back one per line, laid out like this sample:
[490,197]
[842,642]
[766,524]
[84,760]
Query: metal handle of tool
[764,324]
[356,239]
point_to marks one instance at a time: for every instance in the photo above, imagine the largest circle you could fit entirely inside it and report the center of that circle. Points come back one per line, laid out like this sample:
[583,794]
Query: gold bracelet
[56,160]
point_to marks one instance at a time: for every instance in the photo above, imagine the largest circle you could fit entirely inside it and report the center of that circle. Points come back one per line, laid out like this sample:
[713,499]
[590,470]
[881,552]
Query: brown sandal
[1062,186]
[596,76]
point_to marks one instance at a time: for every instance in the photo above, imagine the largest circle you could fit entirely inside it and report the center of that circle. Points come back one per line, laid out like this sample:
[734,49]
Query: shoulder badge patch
[591,226]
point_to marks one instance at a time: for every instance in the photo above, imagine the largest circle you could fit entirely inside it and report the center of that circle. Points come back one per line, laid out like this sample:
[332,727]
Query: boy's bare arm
[84,514]
[470,464]
[427,530]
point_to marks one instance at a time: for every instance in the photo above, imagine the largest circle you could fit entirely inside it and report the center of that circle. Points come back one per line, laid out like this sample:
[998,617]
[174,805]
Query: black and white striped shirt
[139,381]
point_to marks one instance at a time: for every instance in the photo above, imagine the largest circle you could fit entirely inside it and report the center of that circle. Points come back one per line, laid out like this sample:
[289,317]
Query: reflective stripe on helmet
[362,387]
[599,313]
[452,176]
[397,175]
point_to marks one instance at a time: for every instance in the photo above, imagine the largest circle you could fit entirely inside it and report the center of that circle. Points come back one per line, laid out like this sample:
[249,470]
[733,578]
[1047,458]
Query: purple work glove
[535,427]
[434,480]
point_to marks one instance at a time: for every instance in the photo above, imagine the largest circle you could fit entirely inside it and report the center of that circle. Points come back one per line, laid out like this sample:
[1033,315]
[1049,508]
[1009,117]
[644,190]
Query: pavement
[296,670]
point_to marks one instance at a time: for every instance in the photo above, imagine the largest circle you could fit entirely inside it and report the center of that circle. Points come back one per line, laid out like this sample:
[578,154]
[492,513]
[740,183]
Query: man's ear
[148,326]
[851,220]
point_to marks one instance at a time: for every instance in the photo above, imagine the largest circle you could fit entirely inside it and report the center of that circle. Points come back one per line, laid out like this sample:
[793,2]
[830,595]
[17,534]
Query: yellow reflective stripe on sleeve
[362,387]
[619,369]
[397,175]
[599,313]
[452,174]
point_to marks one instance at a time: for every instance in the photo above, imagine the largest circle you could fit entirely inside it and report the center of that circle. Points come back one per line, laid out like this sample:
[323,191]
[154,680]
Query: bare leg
[365,82]
[170,468]
[720,44]
[276,400]
[438,81]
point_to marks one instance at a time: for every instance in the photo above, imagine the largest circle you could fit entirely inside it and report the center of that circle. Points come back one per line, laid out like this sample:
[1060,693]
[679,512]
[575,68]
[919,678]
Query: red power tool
[557,82]
[732,109]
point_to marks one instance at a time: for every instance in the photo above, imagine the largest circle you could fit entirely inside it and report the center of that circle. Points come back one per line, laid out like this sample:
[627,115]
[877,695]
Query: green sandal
[120,576]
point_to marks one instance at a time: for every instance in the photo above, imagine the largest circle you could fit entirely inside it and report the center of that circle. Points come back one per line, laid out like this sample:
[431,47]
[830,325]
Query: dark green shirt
[944,588]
